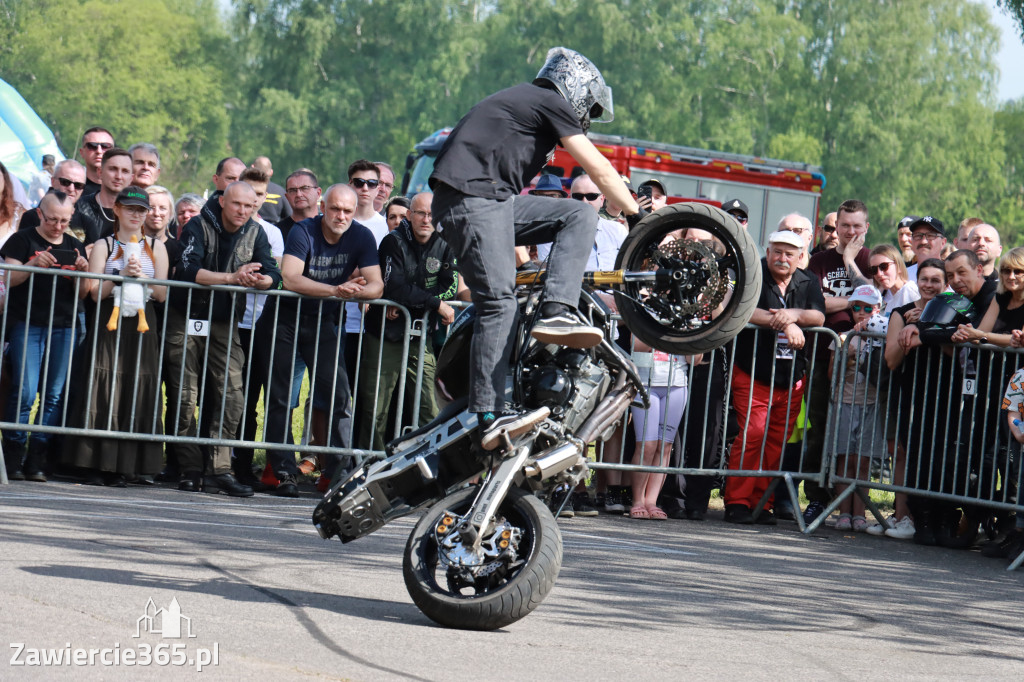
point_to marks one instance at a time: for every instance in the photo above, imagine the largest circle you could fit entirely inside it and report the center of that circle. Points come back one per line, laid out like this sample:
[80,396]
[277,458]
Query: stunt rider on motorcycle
[493,152]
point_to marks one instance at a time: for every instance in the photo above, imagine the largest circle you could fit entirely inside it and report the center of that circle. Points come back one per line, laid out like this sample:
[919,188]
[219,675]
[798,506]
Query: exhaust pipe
[555,460]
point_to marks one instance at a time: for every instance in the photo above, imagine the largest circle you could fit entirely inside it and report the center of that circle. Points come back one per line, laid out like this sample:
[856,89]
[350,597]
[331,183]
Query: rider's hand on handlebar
[632,220]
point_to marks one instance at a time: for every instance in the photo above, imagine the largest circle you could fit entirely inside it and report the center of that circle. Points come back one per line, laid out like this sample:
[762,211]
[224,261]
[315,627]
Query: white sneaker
[904,529]
[880,528]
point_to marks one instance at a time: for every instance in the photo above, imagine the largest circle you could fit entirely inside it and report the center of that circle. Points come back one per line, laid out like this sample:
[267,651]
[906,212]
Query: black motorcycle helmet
[948,310]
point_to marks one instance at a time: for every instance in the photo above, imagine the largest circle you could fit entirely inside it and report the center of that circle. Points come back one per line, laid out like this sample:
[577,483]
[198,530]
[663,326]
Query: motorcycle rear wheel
[659,315]
[518,589]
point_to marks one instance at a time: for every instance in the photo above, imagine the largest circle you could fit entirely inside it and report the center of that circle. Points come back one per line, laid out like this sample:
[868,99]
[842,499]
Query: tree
[1015,8]
[138,68]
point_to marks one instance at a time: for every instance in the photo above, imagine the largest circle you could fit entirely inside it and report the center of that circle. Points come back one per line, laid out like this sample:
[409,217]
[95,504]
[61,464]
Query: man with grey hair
[984,242]
[274,208]
[794,222]
[329,258]
[68,177]
[145,164]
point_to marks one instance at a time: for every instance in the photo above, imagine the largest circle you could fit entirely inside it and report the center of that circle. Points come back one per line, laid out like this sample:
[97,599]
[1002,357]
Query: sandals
[860,524]
[639,512]
[845,522]
[657,513]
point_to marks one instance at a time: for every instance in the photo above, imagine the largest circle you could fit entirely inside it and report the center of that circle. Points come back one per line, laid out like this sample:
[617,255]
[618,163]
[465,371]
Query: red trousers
[761,411]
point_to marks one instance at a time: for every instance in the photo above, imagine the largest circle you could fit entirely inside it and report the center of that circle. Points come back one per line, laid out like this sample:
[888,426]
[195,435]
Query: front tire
[674,316]
[504,589]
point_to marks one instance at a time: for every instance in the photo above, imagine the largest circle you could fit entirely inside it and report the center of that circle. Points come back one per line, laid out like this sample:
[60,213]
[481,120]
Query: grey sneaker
[514,424]
[565,328]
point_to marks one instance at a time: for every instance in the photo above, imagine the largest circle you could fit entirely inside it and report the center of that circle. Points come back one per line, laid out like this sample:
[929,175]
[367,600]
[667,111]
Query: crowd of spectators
[217,356]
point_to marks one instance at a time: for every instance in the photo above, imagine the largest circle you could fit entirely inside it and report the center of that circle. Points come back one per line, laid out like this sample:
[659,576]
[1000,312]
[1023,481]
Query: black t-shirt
[23,246]
[755,350]
[497,148]
[327,263]
[29,220]
[1008,318]
[276,207]
[830,269]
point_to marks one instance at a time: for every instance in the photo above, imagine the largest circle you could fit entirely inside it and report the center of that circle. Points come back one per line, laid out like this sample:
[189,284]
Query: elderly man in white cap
[768,374]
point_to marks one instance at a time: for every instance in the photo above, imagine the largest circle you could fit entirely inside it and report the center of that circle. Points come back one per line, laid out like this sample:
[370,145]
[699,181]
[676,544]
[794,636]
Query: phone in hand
[65,256]
[646,191]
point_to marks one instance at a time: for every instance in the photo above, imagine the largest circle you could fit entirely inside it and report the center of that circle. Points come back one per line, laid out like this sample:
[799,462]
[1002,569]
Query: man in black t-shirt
[94,214]
[39,328]
[478,178]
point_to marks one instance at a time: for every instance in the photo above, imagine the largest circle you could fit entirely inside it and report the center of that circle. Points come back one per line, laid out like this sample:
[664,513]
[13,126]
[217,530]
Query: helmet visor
[602,109]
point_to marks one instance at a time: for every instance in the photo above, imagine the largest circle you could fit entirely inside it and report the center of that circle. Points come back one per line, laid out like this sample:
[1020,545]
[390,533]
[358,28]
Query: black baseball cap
[133,195]
[907,221]
[933,224]
[735,206]
[654,183]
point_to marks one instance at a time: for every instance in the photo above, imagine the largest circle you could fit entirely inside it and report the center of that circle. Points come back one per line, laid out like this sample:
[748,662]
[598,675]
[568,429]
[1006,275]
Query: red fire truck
[770,188]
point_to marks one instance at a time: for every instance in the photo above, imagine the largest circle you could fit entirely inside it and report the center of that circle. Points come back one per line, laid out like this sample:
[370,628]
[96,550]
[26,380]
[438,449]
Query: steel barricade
[205,420]
[943,409]
[701,447]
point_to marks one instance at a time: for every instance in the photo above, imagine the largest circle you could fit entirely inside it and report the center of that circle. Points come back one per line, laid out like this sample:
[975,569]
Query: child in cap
[859,437]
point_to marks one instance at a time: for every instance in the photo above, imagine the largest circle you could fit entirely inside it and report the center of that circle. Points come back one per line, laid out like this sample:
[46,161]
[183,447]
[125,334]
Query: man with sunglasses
[609,236]
[827,238]
[69,178]
[95,142]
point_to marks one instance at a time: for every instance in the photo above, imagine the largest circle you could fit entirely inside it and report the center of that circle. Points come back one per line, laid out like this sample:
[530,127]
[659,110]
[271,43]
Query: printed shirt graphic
[830,269]
[1014,398]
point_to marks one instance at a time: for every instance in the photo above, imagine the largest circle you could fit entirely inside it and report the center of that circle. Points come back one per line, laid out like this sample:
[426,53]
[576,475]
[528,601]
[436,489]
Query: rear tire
[518,587]
[657,316]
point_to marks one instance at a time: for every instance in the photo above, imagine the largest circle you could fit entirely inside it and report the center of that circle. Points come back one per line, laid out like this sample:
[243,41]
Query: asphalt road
[649,600]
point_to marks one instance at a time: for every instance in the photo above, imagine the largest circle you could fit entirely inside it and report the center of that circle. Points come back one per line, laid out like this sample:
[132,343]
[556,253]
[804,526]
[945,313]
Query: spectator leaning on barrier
[222,245]
[419,273]
[859,439]
[39,330]
[94,213]
[329,257]
[937,520]
[839,271]
[124,370]
[768,376]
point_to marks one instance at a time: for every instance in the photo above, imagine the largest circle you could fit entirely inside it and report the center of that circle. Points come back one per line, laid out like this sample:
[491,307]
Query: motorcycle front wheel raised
[708,282]
[492,587]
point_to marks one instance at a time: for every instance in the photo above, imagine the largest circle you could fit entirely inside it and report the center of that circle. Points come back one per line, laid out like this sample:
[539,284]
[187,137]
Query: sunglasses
[360,183]
[96,146]
[589,196]
[64,182]
[881,267]
[864,308]
[828,228]
[1011,271]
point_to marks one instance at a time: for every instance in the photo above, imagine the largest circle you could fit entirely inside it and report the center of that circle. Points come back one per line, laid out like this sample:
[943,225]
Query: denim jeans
[35,352]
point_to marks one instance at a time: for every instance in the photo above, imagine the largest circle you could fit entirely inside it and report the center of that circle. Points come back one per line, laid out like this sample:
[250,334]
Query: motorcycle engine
[570,383]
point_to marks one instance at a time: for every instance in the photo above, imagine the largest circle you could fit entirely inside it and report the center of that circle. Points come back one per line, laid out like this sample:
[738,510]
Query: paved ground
[673,600]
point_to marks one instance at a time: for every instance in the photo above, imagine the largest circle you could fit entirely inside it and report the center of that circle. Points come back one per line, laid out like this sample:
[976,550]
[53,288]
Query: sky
[1010,58]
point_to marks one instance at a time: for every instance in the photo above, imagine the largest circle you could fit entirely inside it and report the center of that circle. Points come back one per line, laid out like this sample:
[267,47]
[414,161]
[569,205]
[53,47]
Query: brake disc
[687,301]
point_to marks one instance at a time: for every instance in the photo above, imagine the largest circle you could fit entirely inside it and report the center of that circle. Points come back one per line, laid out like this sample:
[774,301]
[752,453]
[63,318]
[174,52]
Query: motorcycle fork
[491,495]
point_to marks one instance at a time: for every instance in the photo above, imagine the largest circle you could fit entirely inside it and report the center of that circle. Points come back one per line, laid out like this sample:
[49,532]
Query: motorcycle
[487,550]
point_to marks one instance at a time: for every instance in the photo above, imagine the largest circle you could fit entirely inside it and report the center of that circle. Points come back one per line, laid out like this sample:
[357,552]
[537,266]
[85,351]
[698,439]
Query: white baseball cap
[866,294]
[787,237]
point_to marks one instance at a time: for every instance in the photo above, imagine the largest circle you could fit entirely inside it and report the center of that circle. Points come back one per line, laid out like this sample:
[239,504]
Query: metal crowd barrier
[939,421]
[85,328]
[704,440]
